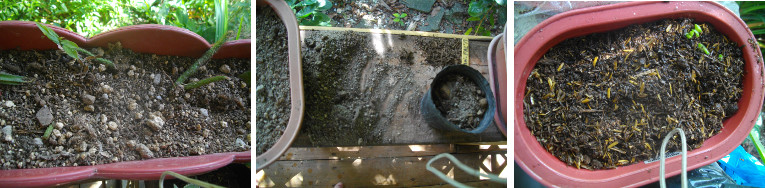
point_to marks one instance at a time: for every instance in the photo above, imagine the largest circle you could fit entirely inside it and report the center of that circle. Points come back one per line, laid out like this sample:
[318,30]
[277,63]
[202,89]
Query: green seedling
[204,82]
[399,18]
[201,61]
[695,32]
[9,79]
[720,57]
[47,132]
[702,48]
[71,48]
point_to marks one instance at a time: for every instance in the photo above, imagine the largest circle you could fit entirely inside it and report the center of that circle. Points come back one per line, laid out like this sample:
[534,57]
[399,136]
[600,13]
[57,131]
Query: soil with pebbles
[273,89]
[461,101]
[132,112]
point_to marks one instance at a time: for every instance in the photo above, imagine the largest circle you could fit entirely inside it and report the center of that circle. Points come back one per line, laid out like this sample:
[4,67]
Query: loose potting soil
[132,112]
[461,101]
[608,99]
[273,89]
[355,83]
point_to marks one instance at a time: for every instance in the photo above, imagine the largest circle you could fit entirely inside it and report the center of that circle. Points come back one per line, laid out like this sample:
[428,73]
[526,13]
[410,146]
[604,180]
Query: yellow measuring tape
[465,52]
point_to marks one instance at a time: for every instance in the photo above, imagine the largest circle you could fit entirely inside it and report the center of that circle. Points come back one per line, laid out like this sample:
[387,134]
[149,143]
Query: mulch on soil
[608,99]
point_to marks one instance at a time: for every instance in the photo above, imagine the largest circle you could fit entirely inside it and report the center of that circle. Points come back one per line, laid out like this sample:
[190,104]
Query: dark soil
[647,80]
[130,113]
[353,89]
[461,101]
[273,89]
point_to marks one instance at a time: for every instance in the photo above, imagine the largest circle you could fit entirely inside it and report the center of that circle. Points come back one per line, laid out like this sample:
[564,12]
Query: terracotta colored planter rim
[25,35]
[550,171]
[296,85]
[498,79]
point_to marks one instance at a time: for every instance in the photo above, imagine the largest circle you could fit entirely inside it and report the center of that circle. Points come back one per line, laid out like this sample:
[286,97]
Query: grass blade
[204,82]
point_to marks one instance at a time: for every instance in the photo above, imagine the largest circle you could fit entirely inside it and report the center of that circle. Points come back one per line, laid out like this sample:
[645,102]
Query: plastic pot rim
[550,171]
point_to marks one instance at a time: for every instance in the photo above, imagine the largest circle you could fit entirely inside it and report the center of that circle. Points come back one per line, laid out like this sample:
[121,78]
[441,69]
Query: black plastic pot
[434,117]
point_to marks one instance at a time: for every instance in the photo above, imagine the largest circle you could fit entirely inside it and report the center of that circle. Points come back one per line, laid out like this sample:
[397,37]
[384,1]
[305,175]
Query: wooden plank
[364,152]
[406,126]
[398,171]
[484,183]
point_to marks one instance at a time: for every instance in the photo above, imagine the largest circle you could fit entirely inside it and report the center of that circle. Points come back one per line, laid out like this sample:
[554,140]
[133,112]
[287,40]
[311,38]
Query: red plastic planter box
[156,39]
[550,171]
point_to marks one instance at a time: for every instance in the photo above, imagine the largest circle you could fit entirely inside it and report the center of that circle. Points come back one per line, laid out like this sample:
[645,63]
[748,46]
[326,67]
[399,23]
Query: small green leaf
[473,19]
[49,33]
[324,5]
[321,17]
[396,15]
[396,19]
[70,48]
[403,15]
[9,79]
[475,9]
[305,12]
[47,132]
[697,28]
[468,31]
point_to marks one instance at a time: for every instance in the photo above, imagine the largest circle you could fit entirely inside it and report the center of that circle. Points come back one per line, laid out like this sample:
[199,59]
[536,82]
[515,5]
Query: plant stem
[186,179]
[204,82]
[9,79]
[100,60]
[201,60]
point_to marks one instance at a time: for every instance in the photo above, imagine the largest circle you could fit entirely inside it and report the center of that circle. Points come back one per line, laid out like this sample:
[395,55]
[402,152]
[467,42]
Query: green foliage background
[90,17]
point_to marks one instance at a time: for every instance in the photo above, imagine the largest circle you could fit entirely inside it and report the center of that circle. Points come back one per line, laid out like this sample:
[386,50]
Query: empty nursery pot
[436,118]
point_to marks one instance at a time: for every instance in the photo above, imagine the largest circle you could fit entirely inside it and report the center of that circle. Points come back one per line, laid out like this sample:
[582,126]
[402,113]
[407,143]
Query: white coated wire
[683,176]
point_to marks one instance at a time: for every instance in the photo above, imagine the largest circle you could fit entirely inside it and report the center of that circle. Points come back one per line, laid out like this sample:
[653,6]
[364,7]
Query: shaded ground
[438,15]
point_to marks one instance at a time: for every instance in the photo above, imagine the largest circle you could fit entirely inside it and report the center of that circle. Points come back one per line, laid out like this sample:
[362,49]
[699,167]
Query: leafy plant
[483,11]
[10,79]
[399,18]
[753,13]
[70,47]
[311,12]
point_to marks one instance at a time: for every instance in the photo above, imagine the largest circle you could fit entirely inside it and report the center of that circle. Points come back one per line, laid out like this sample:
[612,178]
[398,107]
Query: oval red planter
[550,171]
[156,39]
[296,84]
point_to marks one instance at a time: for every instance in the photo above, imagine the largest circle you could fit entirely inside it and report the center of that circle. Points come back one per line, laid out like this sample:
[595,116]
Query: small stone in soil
[38,142]
[112,126]
[155,122]
[144,151]
[44,116]
[82,147]
[88,99]
[90,108]
[204,112]
[9,104]
[482,102]
[8,133]
[157,78]
[225,69]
